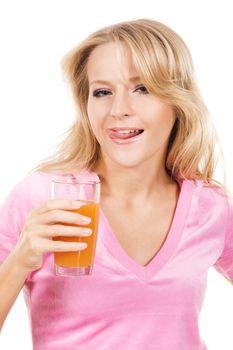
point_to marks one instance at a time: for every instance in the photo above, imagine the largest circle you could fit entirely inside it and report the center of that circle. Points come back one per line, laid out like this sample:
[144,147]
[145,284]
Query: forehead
[111,61]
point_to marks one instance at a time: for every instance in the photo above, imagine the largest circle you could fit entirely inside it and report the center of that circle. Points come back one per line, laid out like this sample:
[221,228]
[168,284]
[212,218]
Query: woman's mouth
[124,135]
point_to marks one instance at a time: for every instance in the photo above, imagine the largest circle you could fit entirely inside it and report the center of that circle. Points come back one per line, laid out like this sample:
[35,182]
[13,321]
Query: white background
[36,107]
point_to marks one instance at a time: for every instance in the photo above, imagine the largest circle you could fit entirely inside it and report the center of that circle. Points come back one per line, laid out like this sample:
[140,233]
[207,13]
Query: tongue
[116,135]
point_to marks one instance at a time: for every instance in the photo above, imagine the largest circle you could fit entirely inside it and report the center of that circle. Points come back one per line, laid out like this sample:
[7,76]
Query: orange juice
[84,257]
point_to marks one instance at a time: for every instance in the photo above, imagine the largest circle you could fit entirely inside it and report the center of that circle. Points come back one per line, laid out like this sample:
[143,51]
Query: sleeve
[13,212]
[224,264]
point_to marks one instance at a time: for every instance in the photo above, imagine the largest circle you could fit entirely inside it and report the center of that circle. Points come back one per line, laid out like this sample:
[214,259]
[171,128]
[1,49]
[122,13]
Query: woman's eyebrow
[132,79]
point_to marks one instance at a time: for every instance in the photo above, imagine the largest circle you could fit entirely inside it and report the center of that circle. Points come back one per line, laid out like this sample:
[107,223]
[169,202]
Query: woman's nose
[120,106]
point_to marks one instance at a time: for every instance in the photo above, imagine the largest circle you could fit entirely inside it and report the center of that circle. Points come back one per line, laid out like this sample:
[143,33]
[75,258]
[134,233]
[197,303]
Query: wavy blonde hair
[165,65]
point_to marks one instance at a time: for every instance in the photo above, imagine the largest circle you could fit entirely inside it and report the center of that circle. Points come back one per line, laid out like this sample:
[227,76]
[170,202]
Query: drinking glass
[88,192]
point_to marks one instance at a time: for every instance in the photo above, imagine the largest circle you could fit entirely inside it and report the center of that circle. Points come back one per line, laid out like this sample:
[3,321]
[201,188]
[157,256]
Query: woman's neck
[133,184]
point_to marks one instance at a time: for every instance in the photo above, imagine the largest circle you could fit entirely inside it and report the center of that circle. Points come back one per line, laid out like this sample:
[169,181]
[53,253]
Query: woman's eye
[99,93]
[143,89]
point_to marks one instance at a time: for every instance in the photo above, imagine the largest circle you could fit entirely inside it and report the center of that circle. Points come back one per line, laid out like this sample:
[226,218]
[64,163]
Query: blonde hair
[165,65]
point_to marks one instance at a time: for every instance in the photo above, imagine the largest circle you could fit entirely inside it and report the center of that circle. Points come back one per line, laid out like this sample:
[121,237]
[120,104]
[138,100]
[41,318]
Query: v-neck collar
[168,248]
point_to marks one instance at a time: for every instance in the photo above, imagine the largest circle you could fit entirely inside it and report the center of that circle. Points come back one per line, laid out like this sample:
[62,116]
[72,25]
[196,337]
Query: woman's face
[131,125]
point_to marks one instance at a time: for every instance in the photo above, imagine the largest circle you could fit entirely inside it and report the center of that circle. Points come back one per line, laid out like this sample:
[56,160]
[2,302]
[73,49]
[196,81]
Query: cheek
[92,117]
[97,117]
[96,126]
[163,121]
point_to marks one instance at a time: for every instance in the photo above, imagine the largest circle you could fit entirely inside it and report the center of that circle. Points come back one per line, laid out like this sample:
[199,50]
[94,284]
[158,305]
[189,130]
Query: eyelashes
[102,92]
[99,93]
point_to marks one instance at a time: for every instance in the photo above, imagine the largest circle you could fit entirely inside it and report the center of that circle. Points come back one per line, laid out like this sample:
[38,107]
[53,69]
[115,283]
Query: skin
[126,103]
[121,169]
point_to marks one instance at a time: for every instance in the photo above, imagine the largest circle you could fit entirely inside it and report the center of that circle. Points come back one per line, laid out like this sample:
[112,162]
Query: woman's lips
[124,135]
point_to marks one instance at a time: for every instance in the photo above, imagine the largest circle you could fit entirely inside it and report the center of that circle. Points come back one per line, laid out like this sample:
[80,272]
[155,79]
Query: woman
[144,131]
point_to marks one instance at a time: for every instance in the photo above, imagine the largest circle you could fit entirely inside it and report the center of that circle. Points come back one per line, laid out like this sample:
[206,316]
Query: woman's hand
[50,220]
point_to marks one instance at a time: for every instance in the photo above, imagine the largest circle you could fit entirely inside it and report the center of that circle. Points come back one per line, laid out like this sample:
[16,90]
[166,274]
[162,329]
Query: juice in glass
[84,257]
[88,193]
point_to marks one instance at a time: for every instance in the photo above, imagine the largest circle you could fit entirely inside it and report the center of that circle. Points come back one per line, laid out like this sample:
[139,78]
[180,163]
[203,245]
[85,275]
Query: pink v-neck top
[124,305]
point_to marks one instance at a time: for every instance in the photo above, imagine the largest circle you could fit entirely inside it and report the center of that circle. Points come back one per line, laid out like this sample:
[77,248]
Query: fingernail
[87,231]
[82,245]
[86,220]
